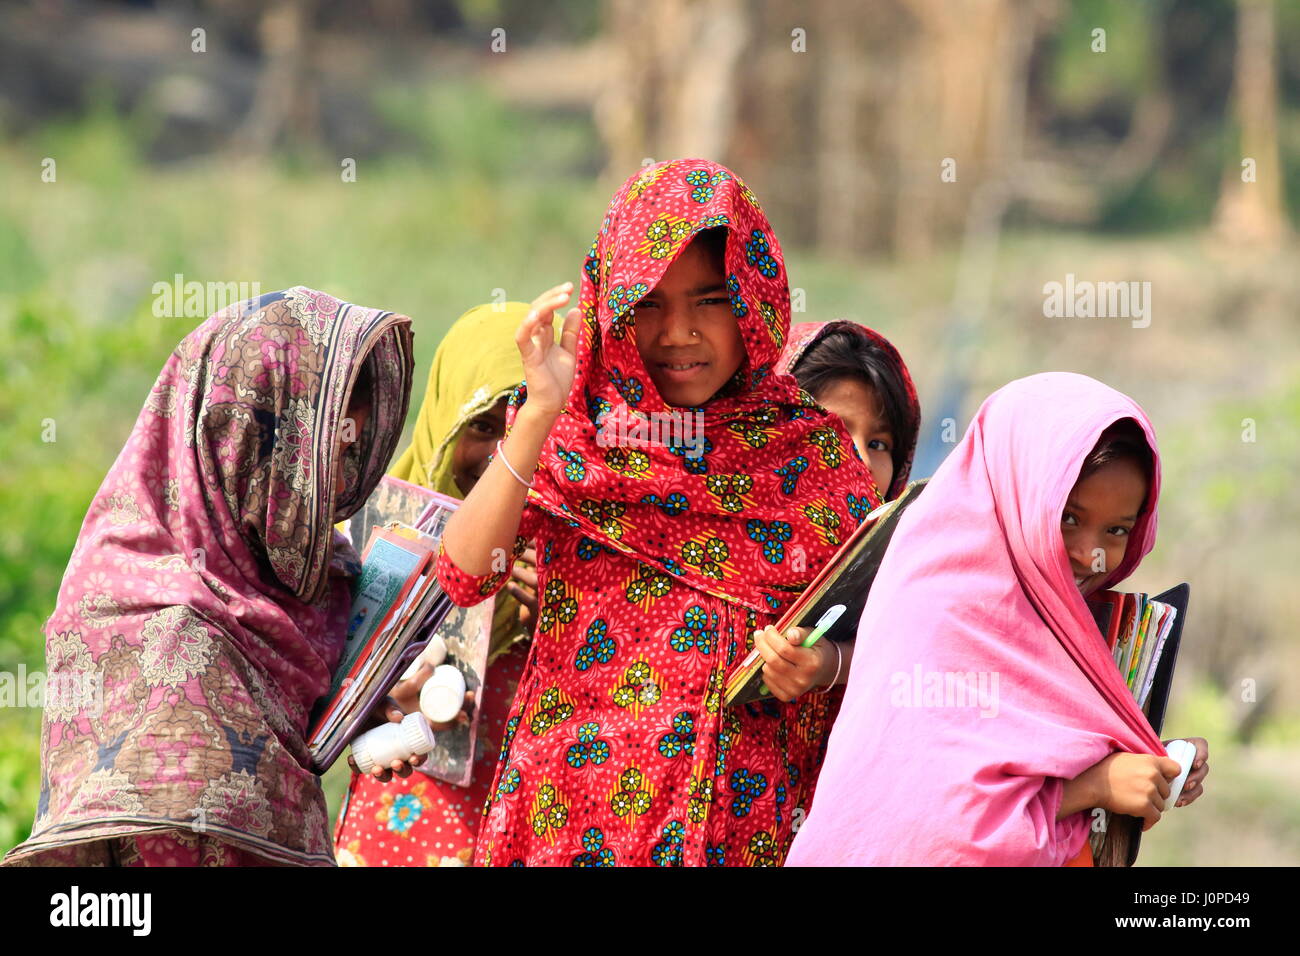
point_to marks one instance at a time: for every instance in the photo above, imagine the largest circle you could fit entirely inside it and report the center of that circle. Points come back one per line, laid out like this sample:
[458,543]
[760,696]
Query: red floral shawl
[200,616]
[778,485]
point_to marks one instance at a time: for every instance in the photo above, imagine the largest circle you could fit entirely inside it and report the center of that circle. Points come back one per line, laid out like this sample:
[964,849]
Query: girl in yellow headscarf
[418,820]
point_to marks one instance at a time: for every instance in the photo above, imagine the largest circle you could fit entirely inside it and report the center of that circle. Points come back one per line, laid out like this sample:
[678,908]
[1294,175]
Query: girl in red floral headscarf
[682,494]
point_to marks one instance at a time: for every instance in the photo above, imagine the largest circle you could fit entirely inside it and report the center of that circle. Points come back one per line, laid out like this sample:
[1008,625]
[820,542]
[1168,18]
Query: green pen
[824,624]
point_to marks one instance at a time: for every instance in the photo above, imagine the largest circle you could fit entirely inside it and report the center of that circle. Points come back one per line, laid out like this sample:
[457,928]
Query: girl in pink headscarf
[986,576]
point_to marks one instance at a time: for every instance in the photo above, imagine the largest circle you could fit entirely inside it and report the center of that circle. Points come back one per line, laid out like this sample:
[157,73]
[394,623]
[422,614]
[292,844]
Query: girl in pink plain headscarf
[986,576]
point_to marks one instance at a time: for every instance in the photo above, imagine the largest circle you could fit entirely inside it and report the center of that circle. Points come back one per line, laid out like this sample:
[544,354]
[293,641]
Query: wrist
[831,665]
[535,419]
[1089,791]
[825,663]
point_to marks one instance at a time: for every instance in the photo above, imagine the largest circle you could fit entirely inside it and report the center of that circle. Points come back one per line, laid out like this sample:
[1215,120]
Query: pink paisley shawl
[206,597]
[977,581]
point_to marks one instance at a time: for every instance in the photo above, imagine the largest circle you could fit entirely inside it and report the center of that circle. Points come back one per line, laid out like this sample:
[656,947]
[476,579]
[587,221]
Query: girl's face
[1099,515]
[686,333]
[858,406]
[477,442]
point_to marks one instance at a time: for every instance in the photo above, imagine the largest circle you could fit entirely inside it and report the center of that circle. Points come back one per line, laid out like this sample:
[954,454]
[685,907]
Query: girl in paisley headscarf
[682,494]
[419,820]
[205,604]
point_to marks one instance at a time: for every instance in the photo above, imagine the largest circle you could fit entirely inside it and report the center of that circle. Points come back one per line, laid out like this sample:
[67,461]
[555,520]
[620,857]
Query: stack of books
[397,605]
[1143,634]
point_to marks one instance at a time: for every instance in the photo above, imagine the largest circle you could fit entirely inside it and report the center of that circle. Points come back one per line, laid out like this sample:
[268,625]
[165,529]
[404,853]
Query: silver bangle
[839,662]
[501,453]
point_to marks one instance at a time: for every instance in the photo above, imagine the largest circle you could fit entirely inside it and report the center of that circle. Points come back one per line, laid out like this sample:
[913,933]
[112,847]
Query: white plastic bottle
[381,746]
[443,694]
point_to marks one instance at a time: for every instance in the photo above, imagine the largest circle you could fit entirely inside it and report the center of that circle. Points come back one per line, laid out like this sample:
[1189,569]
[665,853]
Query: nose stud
[694,334]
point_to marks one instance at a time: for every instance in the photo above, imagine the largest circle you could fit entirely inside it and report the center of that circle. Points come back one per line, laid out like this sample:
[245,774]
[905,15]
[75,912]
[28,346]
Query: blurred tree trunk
[963,77]
[671,80]
[286,100]
[843,174]
[1254,212]
[854,130]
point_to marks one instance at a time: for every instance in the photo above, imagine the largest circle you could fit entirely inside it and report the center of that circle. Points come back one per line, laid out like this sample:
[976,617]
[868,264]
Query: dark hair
[845,354]
[714,243]
[363,389]
[1122,441]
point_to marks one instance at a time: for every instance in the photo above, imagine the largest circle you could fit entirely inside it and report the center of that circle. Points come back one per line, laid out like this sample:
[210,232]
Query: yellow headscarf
[477,364]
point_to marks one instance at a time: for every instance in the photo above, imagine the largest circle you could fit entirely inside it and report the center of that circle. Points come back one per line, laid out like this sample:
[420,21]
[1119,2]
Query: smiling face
[1099,516]
[685,330]
[475,444]
[858,406]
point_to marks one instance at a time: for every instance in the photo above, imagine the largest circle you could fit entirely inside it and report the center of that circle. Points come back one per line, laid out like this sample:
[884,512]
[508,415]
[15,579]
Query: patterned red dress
[657,562]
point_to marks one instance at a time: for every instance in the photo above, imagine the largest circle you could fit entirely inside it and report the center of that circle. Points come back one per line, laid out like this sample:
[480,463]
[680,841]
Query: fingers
[405,688]
[1150,815]
[779,689]
[528,556]
[789,669]
[1193,787]
[524,575]
[523,593]
[774,646]
[572,329]
[561,291]
[797,635]
[535,335]
[1168,767]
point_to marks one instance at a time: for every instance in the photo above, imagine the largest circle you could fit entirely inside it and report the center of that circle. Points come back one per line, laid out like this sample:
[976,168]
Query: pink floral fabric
[204,605]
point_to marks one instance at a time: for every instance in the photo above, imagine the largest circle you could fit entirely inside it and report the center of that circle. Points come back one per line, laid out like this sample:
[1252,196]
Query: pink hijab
[977,582]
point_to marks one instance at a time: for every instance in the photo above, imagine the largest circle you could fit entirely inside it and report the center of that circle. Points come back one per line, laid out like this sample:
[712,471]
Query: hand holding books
[796,662]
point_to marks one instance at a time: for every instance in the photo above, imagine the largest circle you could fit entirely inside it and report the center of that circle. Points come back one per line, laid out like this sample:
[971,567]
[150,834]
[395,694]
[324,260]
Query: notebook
[1143,633]
[846,579]
[397,604]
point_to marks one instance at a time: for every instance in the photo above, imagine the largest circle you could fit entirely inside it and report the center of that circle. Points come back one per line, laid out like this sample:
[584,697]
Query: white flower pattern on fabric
[177,647]
[293,450]
[238,800]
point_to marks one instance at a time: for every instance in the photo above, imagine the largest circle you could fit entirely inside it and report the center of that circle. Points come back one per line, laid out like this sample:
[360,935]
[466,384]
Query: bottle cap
[417,733]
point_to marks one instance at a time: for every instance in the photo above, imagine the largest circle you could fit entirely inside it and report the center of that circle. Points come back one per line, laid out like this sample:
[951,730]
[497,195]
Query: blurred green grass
[460,212]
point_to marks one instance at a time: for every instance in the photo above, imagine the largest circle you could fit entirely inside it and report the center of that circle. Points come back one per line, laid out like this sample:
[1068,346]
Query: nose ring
[694,334]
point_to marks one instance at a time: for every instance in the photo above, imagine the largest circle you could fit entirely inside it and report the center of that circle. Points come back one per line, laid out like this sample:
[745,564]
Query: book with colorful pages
[397,605]
[1143,633]
[846,579]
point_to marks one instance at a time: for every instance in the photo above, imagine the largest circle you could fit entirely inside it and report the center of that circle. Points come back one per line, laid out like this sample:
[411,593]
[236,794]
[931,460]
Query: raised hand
[548,364]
